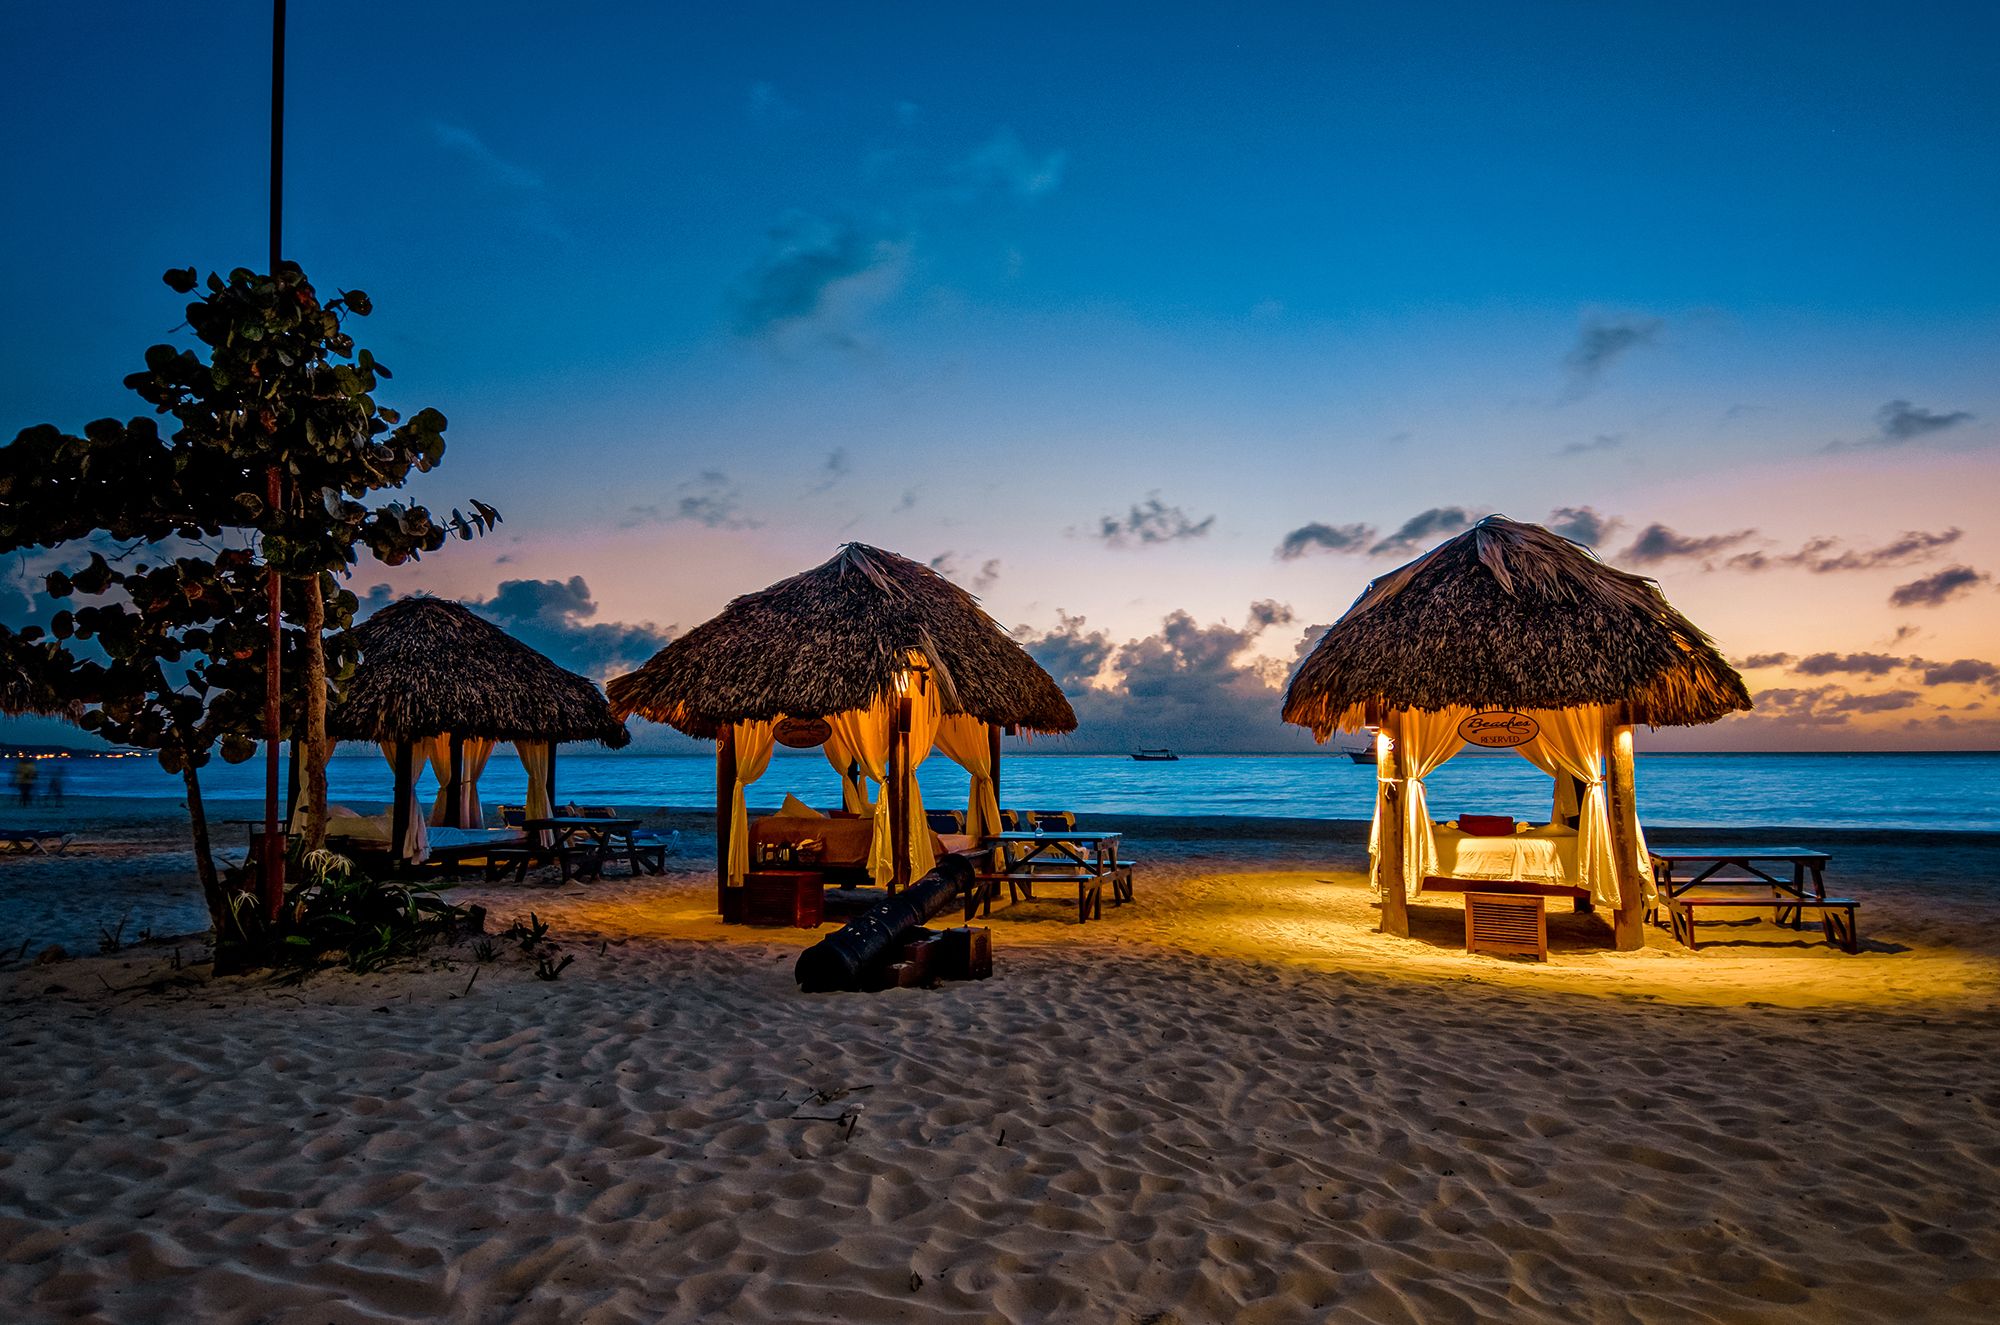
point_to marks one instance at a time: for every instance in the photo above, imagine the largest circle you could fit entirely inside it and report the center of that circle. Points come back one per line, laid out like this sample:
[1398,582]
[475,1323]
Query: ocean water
[1925,791]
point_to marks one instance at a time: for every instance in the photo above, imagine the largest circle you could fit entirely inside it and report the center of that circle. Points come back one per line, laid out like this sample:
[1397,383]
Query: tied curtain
[1569,745]
[1422,741]
[754,741]
[965,741]
[864,734]
[853,774]
[473,754]
[416,843]
[538,761]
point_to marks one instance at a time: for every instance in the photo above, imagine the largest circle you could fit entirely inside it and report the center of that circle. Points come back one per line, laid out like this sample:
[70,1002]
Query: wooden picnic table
[1087,859]
[1796,872]
[584,842]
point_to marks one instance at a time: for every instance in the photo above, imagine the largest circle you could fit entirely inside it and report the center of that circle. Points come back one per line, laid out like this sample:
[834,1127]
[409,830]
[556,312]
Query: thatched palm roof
[1510,615]
[431,667]
[834,639]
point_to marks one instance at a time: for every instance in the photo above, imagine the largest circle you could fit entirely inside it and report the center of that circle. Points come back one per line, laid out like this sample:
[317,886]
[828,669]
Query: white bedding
[1540,855]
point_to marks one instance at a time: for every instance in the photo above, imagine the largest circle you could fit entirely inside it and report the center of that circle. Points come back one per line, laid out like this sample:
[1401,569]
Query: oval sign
[1499,729]
[801,733]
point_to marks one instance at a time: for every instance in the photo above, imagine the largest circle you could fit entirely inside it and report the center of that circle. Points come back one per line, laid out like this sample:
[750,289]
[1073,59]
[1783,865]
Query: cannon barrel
[843,959]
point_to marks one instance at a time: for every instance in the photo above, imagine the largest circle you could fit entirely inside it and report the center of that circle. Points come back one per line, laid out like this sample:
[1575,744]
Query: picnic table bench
[1058,856]
[1791,879]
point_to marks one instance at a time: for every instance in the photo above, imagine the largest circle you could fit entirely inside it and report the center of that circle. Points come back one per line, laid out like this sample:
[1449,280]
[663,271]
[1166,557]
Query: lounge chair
[34,841]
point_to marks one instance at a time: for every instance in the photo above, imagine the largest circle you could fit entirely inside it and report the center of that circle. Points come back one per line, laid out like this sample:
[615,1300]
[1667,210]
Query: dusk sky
[1163,331]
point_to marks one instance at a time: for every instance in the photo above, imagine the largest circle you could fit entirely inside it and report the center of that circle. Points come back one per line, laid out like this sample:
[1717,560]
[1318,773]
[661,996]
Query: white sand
[1229,1102]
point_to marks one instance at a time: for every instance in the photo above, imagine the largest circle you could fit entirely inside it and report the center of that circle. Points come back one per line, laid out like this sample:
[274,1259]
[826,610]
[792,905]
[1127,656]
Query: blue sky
[1098,305]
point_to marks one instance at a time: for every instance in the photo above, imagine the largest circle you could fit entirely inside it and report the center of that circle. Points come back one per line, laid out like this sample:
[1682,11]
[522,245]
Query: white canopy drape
[754,741]
[967,742]
[416,843]
[1422,742]
[853,777]
[1570,744]
[473,754]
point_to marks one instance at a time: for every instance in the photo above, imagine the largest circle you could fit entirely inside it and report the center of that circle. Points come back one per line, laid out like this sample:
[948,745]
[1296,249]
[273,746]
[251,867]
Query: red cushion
[1486,825]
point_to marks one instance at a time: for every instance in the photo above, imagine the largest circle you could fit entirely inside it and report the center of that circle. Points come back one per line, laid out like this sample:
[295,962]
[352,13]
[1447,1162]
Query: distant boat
[1159,756]
[1360,754]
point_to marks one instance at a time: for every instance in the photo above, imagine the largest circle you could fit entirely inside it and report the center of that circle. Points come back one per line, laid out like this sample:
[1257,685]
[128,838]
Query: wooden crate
[784,897]
[1506,923]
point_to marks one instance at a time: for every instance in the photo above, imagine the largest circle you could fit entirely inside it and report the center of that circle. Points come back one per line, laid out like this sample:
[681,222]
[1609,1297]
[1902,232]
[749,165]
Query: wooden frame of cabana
[1511,616]
[842,639]
[1621,803]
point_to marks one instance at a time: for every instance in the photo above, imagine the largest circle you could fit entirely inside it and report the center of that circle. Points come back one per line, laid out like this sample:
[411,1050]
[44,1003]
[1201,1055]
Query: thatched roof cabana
[432,667]
[836,638]
[876,660]
[438,681]
[1511,616]
[1510,636]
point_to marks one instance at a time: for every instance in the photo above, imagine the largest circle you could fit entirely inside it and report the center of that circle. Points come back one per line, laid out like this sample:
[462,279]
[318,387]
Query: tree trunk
[212,891]
[317,746]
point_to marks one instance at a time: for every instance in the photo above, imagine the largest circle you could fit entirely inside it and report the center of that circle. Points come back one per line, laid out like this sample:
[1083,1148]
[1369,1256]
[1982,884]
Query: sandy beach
[1229,1101]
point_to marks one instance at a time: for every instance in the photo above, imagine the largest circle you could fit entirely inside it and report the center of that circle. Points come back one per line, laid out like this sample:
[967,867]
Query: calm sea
[1927,791]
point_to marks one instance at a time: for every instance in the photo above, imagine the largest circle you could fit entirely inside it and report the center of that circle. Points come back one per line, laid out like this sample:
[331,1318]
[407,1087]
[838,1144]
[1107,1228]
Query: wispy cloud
[1425,528]
[1900,423]
[1324,538]
[838,466]
[1582,524]
[708,499]
[1939,589]
[767,105]
[1151,522]
[817,274]
[1604,441]
[1003,166]
[1601,342]
[1657,543]
[1829,556]
[496,168]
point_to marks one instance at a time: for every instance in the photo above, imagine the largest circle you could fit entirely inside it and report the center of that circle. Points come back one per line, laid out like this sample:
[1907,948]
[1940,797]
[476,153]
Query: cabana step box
[784,897]
[1507,924]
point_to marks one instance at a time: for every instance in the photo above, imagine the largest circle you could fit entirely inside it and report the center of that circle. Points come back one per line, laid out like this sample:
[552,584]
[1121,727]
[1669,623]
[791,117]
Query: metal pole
[273,872]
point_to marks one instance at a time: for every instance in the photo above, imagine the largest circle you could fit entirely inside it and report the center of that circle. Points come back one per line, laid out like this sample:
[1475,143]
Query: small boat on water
[1360,754]
[1159,756]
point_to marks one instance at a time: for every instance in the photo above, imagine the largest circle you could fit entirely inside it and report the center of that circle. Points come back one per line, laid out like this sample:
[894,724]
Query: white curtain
[753,755]
[967,742]
[473,753]
[538,761]
[1422,741]
[853,784]
[864,735]
[925,718]
[1570,744]
[416,843]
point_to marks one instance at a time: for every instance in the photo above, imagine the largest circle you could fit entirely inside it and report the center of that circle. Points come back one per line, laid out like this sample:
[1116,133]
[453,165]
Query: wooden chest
[784,897]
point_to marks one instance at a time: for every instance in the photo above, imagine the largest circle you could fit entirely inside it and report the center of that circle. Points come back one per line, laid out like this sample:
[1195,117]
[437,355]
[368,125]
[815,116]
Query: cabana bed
[875,660]
[1512,637]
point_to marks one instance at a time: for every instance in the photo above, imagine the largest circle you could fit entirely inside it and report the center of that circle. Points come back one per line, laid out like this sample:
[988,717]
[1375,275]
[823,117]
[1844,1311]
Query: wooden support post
[725,793]
[399,814]
[1395,902]
[993,764]
[454,787]
[1629,924]
[294,774]
[897,793]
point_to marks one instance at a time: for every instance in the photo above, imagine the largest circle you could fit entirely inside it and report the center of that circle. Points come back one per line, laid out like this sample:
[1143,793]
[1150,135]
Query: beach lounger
[34,841]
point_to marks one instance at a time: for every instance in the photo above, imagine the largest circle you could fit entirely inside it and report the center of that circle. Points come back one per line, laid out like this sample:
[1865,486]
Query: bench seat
[1837,915]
